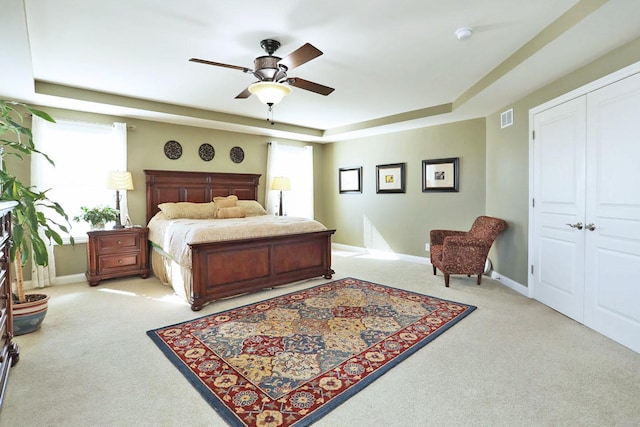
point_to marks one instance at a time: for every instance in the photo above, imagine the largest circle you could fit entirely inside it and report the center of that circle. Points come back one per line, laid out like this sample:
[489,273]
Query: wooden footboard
[223,269]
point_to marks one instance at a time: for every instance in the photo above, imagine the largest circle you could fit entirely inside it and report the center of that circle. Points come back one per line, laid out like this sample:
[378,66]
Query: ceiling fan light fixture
[270,93]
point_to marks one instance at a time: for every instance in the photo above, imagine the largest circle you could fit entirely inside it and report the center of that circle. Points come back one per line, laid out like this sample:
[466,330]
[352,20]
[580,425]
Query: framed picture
[440,174]
[350,180]
[390,178]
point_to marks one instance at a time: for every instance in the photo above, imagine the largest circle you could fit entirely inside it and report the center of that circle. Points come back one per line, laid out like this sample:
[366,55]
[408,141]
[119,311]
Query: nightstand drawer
[118,262]
[121,242]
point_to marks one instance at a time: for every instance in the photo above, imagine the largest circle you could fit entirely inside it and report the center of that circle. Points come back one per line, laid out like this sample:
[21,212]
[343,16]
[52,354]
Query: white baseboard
[509,283]
[60,280]
[382,254]
[80,278]
[425,260]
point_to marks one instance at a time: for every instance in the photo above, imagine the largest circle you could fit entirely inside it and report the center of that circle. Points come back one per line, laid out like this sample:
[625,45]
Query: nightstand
[117,253]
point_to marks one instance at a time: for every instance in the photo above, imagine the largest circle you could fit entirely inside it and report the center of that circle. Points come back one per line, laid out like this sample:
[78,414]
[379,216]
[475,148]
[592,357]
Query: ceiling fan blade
[219,64]
[244,94]
[310,86]
[298,57]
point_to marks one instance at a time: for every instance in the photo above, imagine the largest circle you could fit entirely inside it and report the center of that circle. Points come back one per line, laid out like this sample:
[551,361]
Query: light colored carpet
[512,362]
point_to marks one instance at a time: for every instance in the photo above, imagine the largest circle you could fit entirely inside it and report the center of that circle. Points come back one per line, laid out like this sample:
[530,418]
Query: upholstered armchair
[464,252]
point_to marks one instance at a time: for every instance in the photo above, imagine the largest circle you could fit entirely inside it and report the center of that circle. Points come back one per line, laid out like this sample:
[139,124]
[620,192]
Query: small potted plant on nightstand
[97,216]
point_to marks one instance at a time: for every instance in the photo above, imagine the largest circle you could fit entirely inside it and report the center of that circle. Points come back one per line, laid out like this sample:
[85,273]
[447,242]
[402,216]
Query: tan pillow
[251,207]
[225,202]
[188,210]
[234,212]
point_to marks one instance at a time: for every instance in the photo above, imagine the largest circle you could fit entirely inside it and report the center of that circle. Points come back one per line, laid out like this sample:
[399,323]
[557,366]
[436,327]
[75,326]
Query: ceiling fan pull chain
[270,114]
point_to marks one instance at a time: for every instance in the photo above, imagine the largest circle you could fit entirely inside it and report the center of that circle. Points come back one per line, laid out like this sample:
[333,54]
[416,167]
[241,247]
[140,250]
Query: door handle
[577,225]
[591,227]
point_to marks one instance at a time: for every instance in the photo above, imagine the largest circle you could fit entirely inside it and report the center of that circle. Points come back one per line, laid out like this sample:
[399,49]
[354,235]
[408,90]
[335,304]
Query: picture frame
[390,178]
[350,180]
[441,175]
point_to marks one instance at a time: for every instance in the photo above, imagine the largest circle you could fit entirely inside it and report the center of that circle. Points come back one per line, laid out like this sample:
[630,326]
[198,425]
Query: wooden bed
[223,269]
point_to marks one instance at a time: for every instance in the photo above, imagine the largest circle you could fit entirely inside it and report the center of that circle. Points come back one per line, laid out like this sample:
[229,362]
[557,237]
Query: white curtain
[120,139]
[295,163]
[41,276]
[270,196]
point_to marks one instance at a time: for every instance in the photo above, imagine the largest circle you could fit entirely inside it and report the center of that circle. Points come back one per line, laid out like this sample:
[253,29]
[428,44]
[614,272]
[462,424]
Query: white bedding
[173,236]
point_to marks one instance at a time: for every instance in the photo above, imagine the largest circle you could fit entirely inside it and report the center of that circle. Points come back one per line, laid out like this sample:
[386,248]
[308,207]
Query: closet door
[612,282]
[559,211]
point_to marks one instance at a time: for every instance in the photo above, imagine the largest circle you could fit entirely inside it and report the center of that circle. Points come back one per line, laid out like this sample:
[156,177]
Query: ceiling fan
[271,72]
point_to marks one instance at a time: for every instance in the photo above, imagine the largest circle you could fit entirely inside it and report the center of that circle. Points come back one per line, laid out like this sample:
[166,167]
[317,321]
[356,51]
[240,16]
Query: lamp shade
[270,93]
[281,183]
[120,181]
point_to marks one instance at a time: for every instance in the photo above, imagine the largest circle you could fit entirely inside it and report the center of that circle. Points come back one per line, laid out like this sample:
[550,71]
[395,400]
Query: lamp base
[118,224]
[280,211]
[118,220]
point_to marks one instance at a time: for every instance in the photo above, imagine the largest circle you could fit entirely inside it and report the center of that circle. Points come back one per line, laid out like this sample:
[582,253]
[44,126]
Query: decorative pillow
[234,212]
[251,207]
[225,202]
[188,210]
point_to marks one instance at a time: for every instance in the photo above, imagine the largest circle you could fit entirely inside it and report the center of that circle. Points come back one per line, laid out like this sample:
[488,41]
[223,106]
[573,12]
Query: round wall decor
[173,150]
[237,155]
[206,152]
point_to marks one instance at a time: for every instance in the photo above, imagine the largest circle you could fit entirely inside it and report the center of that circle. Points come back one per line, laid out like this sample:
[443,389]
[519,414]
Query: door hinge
[533,202]
[531,268]
[533,134]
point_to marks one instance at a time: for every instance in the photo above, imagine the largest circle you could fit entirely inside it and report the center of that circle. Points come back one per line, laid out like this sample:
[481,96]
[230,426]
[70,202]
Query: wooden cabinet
[117,253]
[9,351]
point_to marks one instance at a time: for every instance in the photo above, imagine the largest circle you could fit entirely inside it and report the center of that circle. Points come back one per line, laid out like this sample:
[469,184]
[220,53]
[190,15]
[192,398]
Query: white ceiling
[384,58]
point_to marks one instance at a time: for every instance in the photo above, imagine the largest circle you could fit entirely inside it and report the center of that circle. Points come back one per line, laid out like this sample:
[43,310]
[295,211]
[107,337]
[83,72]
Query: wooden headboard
[196,187]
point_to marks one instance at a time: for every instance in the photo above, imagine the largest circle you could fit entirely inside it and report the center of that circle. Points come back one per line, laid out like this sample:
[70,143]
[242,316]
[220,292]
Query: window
[84,154]
[295,163]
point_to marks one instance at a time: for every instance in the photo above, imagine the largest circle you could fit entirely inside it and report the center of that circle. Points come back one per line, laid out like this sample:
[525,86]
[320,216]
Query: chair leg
[434,270]
[446,280]
[479,279]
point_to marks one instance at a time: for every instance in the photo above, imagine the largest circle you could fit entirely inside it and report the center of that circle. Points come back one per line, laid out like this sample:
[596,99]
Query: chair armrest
[437,236]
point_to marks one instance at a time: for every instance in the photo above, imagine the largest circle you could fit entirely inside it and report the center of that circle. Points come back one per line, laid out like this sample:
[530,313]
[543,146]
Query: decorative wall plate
[237,155]
[206,152]
[173,150]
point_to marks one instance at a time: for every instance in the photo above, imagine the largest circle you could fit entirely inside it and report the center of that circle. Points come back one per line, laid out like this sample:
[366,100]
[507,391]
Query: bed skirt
[170,273]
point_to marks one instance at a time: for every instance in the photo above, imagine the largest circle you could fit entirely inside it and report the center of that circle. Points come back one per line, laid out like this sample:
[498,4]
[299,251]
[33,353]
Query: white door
[559,207]
[612,287]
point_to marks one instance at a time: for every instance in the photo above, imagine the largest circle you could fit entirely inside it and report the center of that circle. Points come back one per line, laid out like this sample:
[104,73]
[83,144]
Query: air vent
[506,118]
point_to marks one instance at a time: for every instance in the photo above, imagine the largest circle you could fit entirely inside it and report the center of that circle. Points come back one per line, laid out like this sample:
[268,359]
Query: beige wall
[493,177]
[145,151]
[508,160]
[400,222]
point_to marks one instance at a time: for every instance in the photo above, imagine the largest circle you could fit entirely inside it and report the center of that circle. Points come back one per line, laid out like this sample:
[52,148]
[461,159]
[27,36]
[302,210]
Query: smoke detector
[463,33]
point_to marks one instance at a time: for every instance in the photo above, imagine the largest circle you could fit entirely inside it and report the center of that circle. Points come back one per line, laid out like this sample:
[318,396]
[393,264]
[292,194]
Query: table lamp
[281,184]
[119,181]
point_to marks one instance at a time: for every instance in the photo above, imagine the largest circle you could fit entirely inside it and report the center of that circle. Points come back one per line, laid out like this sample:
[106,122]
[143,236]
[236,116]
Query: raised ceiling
[394,65]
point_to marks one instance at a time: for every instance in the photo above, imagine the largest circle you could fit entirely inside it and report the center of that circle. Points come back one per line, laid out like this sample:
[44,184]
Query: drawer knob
[119,261]
[119,242]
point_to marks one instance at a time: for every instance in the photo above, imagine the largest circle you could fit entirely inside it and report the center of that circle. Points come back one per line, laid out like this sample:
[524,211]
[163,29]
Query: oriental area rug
[289,360]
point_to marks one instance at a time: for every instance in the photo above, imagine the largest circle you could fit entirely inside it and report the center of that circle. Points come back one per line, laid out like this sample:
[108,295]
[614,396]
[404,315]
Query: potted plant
[97,216]
[32,229]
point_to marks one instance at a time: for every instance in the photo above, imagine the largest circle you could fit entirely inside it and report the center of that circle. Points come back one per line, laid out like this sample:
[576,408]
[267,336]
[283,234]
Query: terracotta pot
[28,316]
